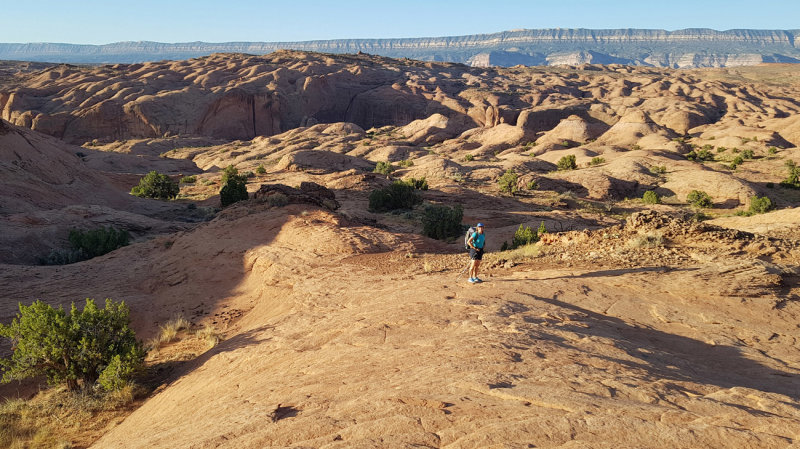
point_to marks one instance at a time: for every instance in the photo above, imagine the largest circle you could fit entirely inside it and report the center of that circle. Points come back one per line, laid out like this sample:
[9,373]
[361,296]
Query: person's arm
[470,241]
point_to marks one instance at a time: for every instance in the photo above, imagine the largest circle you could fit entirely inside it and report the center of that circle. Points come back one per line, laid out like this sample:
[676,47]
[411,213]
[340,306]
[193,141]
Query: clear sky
[106,21]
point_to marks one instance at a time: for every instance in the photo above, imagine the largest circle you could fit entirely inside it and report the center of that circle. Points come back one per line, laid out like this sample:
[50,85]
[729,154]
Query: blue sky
[99,22]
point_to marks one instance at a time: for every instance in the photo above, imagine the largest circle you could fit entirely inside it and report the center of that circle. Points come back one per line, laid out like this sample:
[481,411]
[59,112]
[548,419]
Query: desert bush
[748,154]
[85,245]
[167,333]
[469,158]
[405,163]
[442,222]
[261,169]
[636,147]
[76,348]
[96,242]
[234,187]
[721,149]
[650,197]
[597,160]
[701,155]
[772,151]
[419,184]
[277,200]
[567,163]
[189,179]
[525,236]
[698,198]
[384,168]
[793,175]
[736,162]
[658,169]
[759,205]
[398,195]
[532,185]
[508,182]
[156,185]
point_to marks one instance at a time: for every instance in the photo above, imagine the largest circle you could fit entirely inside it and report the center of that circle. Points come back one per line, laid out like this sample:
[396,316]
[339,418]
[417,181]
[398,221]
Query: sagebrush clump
[793,175]
[85,245]
[384,168]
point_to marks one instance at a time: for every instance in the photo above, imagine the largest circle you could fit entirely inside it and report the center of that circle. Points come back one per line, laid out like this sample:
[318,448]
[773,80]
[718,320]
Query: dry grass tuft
[58,418]
[209,335]
[169,332]
[523,252]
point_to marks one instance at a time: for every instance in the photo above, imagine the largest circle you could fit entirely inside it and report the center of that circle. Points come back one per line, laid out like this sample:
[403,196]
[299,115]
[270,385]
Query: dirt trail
[336,352]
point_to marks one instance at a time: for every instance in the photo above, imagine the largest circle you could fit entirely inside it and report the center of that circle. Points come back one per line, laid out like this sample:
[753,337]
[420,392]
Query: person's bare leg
[477,264]
[472,268]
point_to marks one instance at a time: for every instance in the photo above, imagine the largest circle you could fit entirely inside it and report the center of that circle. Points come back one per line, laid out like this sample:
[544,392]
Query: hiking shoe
[472,280]
[477,280]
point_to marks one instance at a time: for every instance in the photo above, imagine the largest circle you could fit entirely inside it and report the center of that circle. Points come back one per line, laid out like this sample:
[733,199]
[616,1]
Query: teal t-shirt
[478,239]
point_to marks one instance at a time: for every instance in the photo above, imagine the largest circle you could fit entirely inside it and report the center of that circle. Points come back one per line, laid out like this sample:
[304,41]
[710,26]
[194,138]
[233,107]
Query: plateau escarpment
[660,48]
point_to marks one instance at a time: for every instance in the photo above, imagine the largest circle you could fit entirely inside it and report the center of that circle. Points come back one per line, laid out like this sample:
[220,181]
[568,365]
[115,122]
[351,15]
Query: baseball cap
[479,225]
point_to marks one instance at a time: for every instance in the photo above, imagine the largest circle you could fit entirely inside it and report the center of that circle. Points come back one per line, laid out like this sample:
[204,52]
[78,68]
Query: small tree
[234,187]
[156,185]
[261,170]
[508,182]
[793,175]
[650,197]
[442,222]
[542,230]
[567,163]
[75,349]
[699,198]
[524,236]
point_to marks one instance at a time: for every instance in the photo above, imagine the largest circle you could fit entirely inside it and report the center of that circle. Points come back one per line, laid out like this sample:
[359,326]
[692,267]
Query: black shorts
[476,254]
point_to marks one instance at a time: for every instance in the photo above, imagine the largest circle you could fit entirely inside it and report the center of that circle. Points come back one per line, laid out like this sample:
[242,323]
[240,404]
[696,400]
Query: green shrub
[261,169]
[699,198]
[772,150]
[736,162]
[442,222]
[76,349]
[525,236]
[384,168]
[700,155]
[658,169]
[793,175]
[189,179]
[508,182]
[567,163]
[597,160]
[156,185]
[636,147]
[97,242]
[760,205]
[469,158]
[399,195]
[721,149]
[650,197]
[748,154]
[532,185]
[541,230]
[419,184]
[234,187]
[277,200]
[406,163]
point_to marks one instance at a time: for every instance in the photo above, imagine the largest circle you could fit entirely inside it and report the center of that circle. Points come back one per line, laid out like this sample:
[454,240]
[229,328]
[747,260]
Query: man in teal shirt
[476,242]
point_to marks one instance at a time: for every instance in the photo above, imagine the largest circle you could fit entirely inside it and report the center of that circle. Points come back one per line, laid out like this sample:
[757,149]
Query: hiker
[475,243]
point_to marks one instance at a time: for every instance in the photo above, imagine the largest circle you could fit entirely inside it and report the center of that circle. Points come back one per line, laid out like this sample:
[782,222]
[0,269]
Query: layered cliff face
[681,48]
